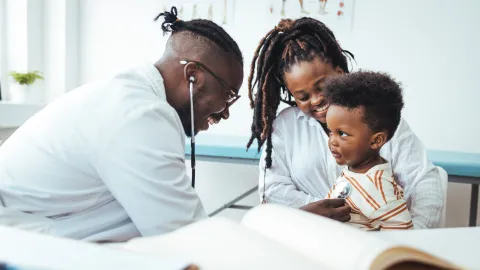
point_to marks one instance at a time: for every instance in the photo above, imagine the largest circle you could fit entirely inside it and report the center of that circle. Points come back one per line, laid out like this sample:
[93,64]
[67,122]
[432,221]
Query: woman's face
[305,80]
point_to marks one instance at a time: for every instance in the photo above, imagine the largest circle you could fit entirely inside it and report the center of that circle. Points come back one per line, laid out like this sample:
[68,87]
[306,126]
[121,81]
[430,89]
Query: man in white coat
[105,161]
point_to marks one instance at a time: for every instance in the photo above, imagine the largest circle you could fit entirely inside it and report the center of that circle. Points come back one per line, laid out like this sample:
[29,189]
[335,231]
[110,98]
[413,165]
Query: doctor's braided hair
[205,28]
[290,42]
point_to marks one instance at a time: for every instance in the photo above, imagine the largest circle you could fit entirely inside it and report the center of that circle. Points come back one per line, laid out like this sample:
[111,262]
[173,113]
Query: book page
[457,245]
[29,250]
[326,241]
[219,243]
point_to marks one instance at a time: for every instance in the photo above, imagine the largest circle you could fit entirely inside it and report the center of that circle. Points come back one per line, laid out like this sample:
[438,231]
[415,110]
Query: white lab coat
[102,162]
[304,170]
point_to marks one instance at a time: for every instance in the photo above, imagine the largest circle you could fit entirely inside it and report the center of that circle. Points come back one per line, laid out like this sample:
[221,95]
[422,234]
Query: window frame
[3,56]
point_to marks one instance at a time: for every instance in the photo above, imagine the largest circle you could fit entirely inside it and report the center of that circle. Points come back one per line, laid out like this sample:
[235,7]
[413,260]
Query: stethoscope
[342,190]
[192,137]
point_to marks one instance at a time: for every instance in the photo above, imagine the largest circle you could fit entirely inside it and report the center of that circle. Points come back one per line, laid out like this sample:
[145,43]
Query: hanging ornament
[194,13]
[282,12]
[224,12]
[210,12]
[322,7]
[180,12]
[302,9]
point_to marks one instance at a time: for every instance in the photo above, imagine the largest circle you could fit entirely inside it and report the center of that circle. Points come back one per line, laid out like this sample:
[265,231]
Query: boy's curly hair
[378,93]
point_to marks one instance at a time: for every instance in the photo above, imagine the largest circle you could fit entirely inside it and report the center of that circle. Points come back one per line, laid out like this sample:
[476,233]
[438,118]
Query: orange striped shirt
[376,199]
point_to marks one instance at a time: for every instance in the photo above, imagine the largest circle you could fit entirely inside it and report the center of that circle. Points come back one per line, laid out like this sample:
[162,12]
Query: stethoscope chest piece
[342,190]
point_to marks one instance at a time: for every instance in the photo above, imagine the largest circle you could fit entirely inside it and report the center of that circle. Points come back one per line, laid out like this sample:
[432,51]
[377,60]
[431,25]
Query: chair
[444,179]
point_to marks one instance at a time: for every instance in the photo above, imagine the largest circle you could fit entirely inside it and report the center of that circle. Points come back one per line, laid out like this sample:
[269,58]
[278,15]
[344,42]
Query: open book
[26,250]
[276,237]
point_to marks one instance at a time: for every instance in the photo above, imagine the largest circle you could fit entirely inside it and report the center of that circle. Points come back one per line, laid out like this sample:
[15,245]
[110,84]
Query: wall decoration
[336,14]
[219,11]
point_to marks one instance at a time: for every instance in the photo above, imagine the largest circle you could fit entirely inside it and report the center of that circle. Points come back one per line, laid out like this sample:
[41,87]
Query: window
[20,47]
[3,73]
[38,36]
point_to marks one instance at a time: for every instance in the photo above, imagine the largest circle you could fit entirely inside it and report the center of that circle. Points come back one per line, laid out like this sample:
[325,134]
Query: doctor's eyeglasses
[232,96]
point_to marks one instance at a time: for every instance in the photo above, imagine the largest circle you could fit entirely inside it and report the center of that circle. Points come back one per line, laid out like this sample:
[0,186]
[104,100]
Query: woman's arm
[423,188]
[279,187]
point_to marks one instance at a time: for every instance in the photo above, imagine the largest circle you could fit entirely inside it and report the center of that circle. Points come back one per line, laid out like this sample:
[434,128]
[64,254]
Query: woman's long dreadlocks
[290,42]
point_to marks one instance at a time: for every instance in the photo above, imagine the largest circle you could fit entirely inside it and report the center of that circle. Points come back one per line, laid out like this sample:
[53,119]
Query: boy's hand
[332,208]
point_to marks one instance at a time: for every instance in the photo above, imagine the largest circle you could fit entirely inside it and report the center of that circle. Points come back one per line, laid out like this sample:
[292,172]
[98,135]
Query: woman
[297,169]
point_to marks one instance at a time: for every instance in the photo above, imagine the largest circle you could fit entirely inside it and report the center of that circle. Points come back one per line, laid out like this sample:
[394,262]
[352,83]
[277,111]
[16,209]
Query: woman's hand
[331,208]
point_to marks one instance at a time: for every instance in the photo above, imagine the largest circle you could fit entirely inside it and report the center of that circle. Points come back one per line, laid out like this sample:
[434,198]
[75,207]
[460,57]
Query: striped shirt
[376,200]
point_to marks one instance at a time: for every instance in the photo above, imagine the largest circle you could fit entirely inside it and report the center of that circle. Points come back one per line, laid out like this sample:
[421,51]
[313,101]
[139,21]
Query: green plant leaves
[26,78]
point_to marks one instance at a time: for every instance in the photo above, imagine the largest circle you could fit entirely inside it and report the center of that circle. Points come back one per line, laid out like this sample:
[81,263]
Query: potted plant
[18,89]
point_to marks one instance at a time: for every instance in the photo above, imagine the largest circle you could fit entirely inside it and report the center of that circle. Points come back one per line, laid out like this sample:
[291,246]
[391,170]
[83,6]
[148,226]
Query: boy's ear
[378,140]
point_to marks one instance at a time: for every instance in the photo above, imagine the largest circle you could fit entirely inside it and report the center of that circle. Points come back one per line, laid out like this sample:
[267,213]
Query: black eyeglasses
[232,95]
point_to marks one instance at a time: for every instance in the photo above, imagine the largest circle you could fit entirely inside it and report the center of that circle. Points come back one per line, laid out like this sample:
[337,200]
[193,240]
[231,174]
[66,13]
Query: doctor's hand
[331,208]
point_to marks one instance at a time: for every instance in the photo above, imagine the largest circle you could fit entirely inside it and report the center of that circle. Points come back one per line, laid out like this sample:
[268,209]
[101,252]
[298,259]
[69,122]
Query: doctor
[105,162]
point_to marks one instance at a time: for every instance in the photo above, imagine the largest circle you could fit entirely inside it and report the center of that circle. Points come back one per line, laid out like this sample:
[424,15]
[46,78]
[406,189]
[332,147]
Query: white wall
[16,33]
[61,48]
[116,34]
[54,50]
[428,45]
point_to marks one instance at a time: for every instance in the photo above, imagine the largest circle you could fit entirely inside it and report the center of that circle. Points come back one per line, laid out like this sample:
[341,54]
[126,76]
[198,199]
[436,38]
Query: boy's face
[350,139]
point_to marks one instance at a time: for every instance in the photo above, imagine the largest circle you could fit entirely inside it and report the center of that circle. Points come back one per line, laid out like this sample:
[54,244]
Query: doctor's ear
[193,74]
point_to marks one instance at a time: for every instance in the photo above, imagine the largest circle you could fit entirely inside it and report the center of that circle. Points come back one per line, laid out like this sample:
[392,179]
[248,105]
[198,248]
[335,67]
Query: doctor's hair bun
[200,28]
[170,21]
[285,25]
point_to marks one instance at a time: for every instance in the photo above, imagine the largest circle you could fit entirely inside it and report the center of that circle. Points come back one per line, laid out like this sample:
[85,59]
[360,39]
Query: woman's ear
[378,140]
[339,71]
